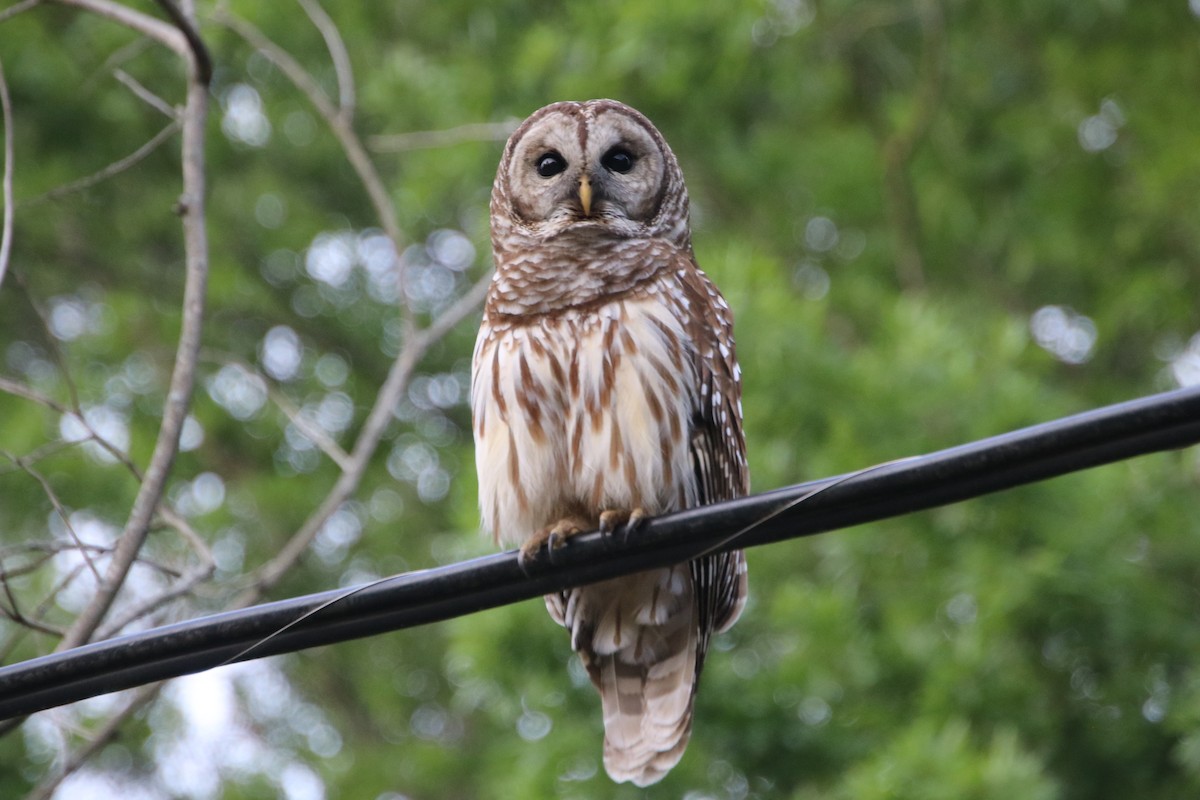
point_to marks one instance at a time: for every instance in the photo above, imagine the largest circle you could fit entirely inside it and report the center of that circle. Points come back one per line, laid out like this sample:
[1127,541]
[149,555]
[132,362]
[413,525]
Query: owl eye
[550,164]
[617,160]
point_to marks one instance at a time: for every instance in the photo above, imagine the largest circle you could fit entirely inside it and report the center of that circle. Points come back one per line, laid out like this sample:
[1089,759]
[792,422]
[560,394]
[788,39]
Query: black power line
[1161,422]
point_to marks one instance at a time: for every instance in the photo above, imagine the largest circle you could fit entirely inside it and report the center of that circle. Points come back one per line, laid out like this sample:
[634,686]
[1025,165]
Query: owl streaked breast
[585,410]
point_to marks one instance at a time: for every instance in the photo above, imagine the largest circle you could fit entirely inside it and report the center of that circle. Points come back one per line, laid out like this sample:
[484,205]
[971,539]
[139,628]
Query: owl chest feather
[583,411]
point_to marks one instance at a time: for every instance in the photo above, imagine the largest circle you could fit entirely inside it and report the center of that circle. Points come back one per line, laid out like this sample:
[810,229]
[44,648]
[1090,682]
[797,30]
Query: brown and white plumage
[604,384]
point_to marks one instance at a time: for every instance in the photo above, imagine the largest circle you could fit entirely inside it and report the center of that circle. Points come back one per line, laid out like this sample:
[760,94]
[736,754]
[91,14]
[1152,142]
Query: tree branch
[17,8]
[115,168]
[339,123]
[167,35]
[898,148]
[337,54]
[58,506]
[183,584]
[107,732]
[417,342]
[145,95]
[183,375]
[364,446]
[6,228]
[17,389]
[418,140]
[311,431]
[201,61]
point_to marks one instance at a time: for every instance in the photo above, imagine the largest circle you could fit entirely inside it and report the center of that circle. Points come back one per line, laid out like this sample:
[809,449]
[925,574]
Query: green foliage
[1038,160]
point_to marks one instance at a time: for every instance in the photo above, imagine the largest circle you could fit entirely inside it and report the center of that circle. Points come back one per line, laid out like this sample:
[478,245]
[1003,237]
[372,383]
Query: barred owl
[605,389]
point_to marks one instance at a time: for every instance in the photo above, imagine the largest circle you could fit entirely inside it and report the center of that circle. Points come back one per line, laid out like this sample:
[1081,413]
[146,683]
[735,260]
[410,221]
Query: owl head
[590,171]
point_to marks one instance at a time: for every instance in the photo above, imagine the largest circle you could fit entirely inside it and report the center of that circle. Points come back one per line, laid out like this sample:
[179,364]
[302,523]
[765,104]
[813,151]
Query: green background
[935,221]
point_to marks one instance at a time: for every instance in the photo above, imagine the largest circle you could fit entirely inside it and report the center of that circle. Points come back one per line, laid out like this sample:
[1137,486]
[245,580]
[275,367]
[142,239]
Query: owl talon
[529,553]
[614,518]
[553,537]
[637,518]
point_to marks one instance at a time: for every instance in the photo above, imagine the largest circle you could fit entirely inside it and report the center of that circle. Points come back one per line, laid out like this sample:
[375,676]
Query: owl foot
[614,518]
[553,537]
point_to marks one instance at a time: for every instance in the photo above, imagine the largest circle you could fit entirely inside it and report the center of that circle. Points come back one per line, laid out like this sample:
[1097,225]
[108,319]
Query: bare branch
[416,342]
[52,548]
[58,505]
[178,589]
[167,35]
[183,375]
[44,451]
[45,553]
[337,53]
[50,339]
[122,55]
[295,415]
[17,8]
[182,586]
[145,95]
[347,484]
[98,740]
[18,389]
[340,124]
[13,612]
[63,582]
[7,225]
[295,72]
[201,61]
[197,543]
[112,169]
[311,431]
[899,147]
[418,140]
[457,311]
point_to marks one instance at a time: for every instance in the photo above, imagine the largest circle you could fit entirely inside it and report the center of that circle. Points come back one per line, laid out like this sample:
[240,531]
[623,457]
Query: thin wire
[243,655]
[728,542]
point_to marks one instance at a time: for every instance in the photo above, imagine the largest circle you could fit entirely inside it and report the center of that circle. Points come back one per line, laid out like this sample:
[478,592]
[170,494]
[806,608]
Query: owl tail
[638,638]
[648,711]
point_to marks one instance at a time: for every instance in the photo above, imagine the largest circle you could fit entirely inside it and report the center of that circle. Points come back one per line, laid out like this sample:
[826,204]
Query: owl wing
[718,448]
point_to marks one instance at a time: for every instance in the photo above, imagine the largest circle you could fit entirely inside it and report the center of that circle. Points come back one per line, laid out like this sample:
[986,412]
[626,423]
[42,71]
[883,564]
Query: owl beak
[585,195]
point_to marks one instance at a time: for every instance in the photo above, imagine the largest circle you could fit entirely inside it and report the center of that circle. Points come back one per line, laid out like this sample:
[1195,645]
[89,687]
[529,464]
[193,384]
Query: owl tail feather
[647,711]
[638,638]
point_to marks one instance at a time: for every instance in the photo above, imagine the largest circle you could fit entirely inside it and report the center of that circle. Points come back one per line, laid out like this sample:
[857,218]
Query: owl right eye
[550,164]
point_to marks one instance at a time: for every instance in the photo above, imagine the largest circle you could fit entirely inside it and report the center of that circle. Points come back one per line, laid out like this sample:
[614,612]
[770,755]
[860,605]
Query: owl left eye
[617,160]
[550,164]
